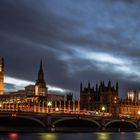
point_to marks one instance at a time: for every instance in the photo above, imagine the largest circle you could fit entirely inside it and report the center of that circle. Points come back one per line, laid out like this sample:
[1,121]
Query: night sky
[78,40]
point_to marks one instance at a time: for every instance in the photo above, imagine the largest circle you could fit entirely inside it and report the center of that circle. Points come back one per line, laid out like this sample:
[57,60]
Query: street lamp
[139,113]
[49,105]
[56,109]
[103,109]
[0,106]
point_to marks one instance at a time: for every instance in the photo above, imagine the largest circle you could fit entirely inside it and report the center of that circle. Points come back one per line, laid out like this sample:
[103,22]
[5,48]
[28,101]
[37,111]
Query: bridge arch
[34,119]
[21,121]
[76,124]
[65,119]
[123,125]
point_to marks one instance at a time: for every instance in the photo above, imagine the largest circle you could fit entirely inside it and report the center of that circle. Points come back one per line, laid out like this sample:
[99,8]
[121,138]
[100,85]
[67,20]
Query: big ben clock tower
[1,76]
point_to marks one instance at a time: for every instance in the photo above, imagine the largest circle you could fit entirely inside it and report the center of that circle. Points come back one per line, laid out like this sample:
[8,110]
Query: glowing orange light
[14,115]
[13,135]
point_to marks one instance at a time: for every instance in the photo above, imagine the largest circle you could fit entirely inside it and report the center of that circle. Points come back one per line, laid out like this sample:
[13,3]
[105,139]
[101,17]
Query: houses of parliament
[35,97]
[99,98]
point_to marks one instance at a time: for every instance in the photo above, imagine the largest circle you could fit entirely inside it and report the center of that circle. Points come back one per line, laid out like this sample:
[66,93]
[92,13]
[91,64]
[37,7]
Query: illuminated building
[133,96]
[1,76]
[30,90]
[128,108]
[40,85]
[65,106]
[34,98]
[94,98]
[55,97]
[138,96]
[72,105]
[31,96]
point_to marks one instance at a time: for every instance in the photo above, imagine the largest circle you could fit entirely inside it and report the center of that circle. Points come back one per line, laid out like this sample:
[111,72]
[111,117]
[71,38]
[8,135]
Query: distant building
[127,108]
[66,106]
[35,97]
[133,96]
[30,90]
[100,98]
[31,95]
[95,98]
[130,106]
[55,97]
[40,85]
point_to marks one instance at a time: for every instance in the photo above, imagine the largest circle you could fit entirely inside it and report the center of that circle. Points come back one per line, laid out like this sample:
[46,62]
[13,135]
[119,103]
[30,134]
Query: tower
[40,85]
[103,95]
[86,97]
[1,76]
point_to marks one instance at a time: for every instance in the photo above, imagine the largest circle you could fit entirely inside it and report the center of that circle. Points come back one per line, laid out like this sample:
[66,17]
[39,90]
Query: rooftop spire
[41,74]
[117,86]
[81,86]
[89,85]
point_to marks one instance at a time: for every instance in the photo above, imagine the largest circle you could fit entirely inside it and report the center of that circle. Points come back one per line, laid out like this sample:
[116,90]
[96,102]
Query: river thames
[71,136]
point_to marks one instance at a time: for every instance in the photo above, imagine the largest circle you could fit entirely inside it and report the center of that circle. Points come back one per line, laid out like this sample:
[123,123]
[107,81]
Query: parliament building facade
[101,98]
[94,98]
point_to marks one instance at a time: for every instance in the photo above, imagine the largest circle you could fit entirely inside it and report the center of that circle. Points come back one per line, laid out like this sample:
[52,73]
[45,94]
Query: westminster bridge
[60,122]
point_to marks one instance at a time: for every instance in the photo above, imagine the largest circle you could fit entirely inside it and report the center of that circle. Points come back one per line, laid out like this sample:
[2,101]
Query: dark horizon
[84,42]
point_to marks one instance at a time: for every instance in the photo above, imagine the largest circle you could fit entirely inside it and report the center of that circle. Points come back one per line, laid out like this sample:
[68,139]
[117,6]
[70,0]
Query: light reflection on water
[71,136]
[103,136]
[13,136]
[49,136]
[138,136]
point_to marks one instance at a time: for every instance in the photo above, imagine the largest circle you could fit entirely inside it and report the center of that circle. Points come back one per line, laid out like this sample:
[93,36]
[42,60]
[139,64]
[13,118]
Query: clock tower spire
[1,76]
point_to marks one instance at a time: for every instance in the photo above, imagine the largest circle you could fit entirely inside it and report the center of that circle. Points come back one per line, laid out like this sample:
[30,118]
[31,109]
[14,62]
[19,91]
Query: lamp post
[138,114]
[1,106]
[103,109]
[49,105]
[56,109]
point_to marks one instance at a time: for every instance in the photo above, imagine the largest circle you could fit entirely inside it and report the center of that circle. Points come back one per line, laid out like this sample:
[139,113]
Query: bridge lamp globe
[49,103]
[56,109]
[138,112]
[103,108]
[96,112]
[0,105]
[49,106]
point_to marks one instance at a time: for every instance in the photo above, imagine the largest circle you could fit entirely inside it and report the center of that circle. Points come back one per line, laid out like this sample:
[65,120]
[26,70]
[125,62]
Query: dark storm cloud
[77,40]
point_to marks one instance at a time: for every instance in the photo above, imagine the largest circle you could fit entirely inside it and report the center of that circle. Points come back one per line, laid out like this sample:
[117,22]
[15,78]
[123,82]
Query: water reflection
[49,136]
[103,136]
[71,136]
[137,136]
[13,136]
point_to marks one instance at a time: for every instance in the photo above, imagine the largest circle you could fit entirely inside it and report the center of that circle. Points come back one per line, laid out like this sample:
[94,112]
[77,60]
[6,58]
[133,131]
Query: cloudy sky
[78,40]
